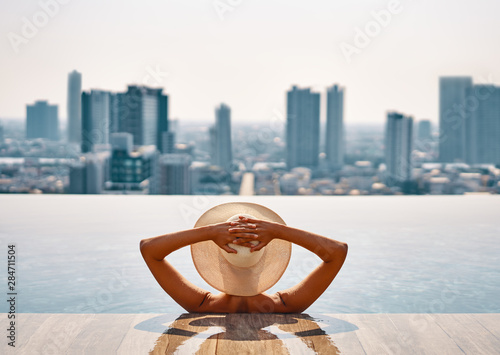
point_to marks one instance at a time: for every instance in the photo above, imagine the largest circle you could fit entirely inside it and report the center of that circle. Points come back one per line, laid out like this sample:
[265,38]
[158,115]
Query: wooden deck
[253,334]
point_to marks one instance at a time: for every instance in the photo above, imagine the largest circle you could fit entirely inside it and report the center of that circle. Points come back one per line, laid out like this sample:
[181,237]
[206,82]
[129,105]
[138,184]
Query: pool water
[407,254]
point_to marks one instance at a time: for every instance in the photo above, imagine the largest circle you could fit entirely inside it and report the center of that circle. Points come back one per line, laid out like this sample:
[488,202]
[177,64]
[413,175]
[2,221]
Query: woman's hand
[222,235]
[248,229]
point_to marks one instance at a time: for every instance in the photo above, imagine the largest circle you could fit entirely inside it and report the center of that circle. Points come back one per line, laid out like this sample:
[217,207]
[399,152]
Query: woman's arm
[154,250]
[333,253]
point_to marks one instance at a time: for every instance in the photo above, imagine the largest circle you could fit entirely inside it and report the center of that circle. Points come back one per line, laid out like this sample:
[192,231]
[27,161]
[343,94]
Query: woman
[242,249]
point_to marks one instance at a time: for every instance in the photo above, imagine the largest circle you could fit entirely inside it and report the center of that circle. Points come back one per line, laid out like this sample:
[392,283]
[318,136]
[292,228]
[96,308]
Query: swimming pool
[407,254]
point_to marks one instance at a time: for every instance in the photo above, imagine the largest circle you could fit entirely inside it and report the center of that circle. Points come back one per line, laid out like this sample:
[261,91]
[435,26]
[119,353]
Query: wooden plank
[245,334]
[141,339]
[26,325]
[189,334]
[346,340]
[56,333]
[468,333]
[421,333]
[102,333]
[256,333]
[378,335]
[490,321]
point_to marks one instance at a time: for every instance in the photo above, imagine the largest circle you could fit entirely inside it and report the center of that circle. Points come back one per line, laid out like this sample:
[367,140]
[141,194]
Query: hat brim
[233,280]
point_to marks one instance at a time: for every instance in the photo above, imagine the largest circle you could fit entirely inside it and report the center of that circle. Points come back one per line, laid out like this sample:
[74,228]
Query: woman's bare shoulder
[224,303]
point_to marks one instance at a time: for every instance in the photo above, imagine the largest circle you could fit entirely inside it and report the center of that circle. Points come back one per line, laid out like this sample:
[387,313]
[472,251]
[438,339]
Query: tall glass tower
[42,121]
[335,127]
[96,112]
[455,131]
[74,107]
[302,128]
[221,138]
[486,122]
[143,112]
[398,147]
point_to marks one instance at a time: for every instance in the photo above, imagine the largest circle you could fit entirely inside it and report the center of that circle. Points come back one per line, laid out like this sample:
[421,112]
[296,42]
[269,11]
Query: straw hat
[244,273]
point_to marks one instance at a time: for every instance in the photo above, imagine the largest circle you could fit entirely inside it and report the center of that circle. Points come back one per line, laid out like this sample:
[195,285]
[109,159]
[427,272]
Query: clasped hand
[243,232]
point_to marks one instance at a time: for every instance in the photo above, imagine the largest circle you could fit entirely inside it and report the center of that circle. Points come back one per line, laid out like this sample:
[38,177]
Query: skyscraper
[74,107]
[162,123]
[143,112]
[302,128]
[131,168]
[96,113]
[42,121]
[88,175]
[335,127]
[486,123]
[174,174]
[424,130]
[398,147]
[221,138]
[455,132]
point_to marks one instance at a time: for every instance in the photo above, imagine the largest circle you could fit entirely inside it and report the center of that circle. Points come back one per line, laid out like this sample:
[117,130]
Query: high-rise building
[74,107]
[220,134]
[302,128]
[88,175]
[424,130]
[398,147]
[335,127]
[486,123]
[96,113]
[162,123]
[455,131]
[42,121]
[168,142]
[174,176]
[143,112]
[1,134]
[131,168]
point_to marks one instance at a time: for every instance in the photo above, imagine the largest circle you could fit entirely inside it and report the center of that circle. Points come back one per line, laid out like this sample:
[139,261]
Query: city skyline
[295,43]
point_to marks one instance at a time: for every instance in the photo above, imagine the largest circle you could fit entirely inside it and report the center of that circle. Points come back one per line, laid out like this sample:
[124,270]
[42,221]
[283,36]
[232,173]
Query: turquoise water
[407,254]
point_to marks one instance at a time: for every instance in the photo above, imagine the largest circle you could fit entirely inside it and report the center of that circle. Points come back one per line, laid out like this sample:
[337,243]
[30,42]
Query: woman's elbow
[143,246]
[338,252]
[345,248]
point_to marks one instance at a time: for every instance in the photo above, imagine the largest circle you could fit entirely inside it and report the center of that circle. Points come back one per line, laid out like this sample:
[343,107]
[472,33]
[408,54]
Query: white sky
[251,57]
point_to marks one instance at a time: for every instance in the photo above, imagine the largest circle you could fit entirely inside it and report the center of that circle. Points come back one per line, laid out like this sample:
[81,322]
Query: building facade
[220,137]
[424,130]
[42,121]
[174,177]
[88,175]
[455,131]
[486,123]
[96,119]
[143,112]
[334,139]
[74,109]
[131,169]
[302,128]
[398,147]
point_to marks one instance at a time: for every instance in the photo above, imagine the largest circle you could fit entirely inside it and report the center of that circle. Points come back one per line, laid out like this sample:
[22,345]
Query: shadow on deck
[254,334]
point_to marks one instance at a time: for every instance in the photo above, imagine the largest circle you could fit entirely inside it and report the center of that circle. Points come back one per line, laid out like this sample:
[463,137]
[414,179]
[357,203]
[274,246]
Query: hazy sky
[247,53]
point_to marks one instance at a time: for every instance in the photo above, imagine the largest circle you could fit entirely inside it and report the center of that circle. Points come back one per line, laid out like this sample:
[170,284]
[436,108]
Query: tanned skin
[194,299]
